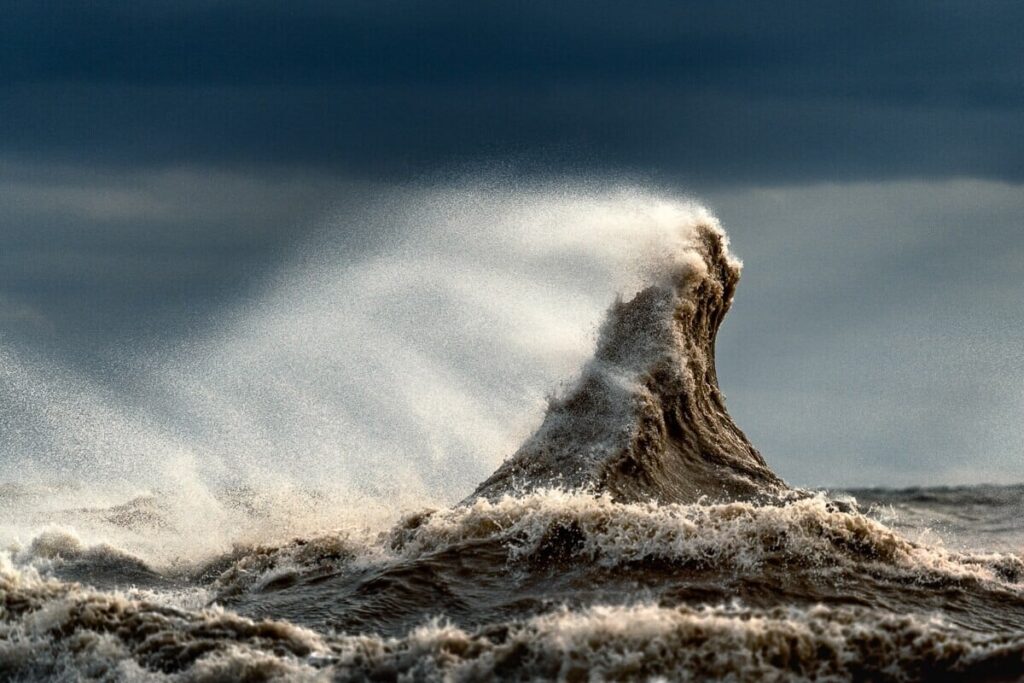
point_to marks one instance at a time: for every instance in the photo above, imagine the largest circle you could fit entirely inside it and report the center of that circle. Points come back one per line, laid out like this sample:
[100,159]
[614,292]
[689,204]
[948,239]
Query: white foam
[387,380]
[806,533]
[68,634]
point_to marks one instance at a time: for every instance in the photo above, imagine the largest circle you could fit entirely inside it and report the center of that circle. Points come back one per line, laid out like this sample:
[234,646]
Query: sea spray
[284,506]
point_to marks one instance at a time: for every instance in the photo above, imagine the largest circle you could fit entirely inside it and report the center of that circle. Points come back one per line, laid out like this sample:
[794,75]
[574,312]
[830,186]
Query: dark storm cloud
[160,161]
[86,256]
[741,91]
[901,50]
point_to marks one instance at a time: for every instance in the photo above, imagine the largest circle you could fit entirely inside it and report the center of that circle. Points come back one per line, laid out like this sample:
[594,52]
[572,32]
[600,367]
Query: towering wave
[636,534]
[647,419]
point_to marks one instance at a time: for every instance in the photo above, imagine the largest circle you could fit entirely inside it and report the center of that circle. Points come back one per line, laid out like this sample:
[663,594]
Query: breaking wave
[637,533]
[63,632]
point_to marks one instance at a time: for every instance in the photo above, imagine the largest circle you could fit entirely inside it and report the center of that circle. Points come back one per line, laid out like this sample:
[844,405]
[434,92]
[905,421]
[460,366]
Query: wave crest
[62,632]
[804,532]
[646,418]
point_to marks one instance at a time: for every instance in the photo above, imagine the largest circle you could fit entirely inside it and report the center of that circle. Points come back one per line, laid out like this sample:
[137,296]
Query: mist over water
[276,496]
[425,363]
[403,373]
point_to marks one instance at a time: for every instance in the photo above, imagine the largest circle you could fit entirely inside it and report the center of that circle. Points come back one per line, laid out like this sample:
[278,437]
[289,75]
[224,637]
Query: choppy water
[636,534]
[550,584]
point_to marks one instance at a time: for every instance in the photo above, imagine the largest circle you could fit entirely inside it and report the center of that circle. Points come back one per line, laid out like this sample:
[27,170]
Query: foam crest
[646,418]
[65,633]
[650,642]
[270,567]
[808,533]
[739,544]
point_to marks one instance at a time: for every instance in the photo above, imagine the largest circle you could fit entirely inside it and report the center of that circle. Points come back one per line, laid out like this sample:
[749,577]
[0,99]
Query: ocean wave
[63,632]
[644,641]
[807,532]
[636,534]
[646,418]
[272,567]
[512,558]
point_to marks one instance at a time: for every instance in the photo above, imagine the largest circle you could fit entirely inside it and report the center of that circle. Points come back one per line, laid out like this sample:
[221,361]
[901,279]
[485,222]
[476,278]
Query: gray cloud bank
[875,335]
[709,93]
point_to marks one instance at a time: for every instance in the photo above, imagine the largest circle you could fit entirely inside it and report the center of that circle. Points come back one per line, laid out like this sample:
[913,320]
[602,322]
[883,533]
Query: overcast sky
[159,161]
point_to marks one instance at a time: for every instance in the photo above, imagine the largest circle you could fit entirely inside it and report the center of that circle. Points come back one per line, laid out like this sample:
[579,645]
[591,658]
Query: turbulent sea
[550,585]
[635,535]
